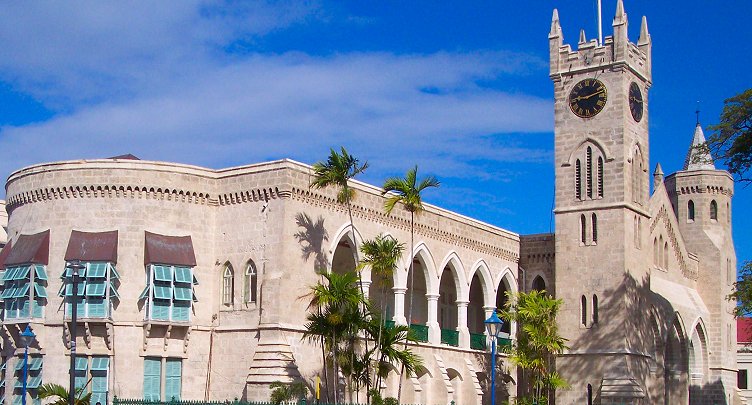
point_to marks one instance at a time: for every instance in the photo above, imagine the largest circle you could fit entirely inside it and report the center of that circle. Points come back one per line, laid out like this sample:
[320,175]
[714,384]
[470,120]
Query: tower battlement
[614,53]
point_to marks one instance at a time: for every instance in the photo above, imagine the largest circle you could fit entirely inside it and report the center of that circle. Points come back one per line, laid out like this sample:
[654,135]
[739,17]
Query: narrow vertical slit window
[583,229]
[227,286]
[250,283]
[713,210]
[655,251]
[595,309]
[578,179]
[600,177]
[583,311]
[691,210]
[665,255]
[589,394]
[595,228]
[589,172]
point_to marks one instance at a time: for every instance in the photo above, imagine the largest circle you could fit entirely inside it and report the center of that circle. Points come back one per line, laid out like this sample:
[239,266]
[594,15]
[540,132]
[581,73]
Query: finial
[583,39]
[657,176]
[658,169]
[697,113]
[644,35]
[621,16]
[555,25]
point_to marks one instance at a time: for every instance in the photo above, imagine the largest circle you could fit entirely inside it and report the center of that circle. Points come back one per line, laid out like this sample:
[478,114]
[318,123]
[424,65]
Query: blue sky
[459,88]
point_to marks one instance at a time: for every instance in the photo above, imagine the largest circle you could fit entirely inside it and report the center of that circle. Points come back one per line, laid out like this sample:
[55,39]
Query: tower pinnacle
[698,156]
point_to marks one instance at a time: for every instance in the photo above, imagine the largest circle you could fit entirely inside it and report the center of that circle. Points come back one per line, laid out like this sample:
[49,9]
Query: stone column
[434,330]
[365,286]
[462,324]
[399,305]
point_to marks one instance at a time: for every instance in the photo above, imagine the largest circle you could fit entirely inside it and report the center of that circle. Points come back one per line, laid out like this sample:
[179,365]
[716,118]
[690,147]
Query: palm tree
[287,392]
[538,340]
[382,255]
[390,355]
[407,192]
[337,171]
[338,301]
[60,394]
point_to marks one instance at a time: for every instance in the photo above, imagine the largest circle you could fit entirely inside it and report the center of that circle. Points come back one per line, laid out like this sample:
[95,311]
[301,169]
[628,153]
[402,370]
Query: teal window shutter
[97,307]
[114,292]
[163,273]
[173,377]
[162,291]
[39,291]
[37,309]
[97,270]
[182,292]
[39,272]
[144,293]
[22,291]
[99,372]
[22,272]
[95,288]
[181,311]
[23,307]
[114,275]
[81,366]
[152,378]
[183,275]
[160,310]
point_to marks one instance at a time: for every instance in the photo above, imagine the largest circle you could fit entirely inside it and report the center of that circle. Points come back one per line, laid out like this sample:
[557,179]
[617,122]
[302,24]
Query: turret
[555,42]
[657,176]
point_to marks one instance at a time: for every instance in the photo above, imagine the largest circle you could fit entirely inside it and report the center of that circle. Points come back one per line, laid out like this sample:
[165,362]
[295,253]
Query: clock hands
[586,97]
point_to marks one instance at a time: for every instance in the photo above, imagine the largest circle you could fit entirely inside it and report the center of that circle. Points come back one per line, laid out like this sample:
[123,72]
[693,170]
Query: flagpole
[600,25]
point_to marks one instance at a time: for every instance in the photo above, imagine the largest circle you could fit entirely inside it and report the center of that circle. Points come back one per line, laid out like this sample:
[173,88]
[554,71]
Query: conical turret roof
[698,156]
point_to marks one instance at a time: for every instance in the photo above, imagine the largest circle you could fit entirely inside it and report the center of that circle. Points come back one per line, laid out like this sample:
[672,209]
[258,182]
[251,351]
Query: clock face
[587,98]
[635,101]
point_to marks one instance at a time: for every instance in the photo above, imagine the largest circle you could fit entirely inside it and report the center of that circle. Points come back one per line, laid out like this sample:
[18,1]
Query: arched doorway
[344,256]
[675,365]
[447,307]
[539,284]
[419,320]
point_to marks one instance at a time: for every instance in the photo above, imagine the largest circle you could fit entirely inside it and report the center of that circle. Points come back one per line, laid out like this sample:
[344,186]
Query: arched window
[583,311]
[665,255]
[691,210]
[661,252]
[728,213]
[249,283]
[655,252]
[589,394]
[595,228]
[637,181]
[578,179]
[539,284]
[600,177]
[713,210]
[595,309]
[227,285]
[589,171]
[639,233]
[583,229]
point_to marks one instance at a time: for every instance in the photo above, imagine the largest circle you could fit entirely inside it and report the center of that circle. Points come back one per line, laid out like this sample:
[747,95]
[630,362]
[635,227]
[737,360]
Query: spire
[621,16]
[644,35]
[657,176]
[698,156]
[555,26]
[583,38]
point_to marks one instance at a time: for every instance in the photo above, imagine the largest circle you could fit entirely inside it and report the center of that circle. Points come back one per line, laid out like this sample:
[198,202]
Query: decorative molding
[663,217]
[376,216]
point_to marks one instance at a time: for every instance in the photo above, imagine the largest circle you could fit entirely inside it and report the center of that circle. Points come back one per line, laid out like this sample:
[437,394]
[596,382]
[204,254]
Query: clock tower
[601,160]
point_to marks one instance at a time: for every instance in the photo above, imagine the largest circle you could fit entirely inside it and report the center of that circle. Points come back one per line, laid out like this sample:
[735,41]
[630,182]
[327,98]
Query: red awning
[175,250]
[30,249]
[744,330]
[92,246]
[4,254]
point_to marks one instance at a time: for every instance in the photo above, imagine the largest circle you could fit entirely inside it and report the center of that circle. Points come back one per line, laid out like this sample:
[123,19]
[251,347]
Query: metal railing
[450,337]
[420,332]
[478,341]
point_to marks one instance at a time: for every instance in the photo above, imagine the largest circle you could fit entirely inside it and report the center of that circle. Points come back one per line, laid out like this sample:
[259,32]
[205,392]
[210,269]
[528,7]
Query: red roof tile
[744,330]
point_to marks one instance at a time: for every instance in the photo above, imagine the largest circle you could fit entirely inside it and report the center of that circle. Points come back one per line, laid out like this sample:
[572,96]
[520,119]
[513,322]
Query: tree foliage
[743,291]
[731,140]
[285,393]
[538,341]
[60,396]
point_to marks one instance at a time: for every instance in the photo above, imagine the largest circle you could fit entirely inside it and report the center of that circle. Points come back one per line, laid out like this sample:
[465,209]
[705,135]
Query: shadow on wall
[311,237]
[651,329]
[505,382]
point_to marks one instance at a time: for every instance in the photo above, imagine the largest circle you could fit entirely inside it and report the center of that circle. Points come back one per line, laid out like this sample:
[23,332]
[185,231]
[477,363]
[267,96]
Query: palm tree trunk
[326,377]
[336,368]
[377,353]
[360,282]
[410,307]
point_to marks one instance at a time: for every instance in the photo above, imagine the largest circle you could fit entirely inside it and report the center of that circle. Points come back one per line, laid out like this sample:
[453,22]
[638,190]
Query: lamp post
[27,336]
[74,266]
[493,327]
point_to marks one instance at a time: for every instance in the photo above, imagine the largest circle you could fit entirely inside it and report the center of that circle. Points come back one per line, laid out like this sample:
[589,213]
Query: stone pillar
[399,305]
[462,324]
[434,330]
[365,286]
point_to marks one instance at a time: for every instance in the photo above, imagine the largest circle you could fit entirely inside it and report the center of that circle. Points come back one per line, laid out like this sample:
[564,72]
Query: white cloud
[151,80]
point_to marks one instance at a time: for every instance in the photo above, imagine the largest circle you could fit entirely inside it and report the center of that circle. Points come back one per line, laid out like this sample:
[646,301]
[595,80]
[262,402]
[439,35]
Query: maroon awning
[4,254]
[30,249]
[92,246]
[175,250]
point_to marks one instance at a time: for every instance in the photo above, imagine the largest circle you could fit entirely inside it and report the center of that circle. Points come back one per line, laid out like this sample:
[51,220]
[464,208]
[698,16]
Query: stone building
[195,279]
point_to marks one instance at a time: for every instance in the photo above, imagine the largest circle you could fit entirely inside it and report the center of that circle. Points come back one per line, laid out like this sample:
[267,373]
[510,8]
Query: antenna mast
[600,25]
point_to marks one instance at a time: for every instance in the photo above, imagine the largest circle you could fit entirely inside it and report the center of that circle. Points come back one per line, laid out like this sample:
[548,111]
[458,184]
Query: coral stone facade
[194,280]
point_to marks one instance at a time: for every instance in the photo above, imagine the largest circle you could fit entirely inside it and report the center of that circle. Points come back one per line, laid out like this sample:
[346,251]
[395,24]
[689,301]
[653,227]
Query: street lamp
[75,266]
[493,327]
[27,336]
